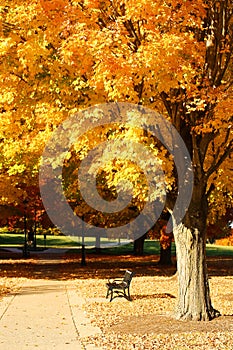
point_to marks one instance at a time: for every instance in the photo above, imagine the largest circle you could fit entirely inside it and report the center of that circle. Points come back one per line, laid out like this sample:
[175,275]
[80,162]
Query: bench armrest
[117,283]
[113,280]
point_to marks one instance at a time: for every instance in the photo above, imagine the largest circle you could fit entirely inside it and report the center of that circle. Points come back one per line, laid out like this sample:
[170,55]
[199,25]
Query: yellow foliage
[60,56]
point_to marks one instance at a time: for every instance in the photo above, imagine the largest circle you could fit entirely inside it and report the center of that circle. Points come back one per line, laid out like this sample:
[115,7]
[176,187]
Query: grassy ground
[151,247]
[53,241]
[16,240]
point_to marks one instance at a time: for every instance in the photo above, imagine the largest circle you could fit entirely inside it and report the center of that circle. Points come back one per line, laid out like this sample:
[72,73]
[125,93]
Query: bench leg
[127,295]
[122,293]
[108,292]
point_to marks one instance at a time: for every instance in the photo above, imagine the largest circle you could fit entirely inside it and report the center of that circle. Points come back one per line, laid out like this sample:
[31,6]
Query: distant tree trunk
[165,247]
[194,301]
[97,244]
[165,256]
[138,248]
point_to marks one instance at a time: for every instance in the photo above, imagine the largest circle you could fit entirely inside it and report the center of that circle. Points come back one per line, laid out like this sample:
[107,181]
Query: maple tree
[171,56]
[176,55]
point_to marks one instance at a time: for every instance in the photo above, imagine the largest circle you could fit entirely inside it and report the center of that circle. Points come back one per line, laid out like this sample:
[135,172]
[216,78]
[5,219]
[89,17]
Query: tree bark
[165,247]
[165,256]
[194,302]
[139,245]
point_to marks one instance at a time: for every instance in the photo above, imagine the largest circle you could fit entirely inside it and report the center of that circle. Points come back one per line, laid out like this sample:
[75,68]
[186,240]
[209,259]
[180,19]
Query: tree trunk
[139,245]
[194,302]
[165,256]
[165,246]
[97,244]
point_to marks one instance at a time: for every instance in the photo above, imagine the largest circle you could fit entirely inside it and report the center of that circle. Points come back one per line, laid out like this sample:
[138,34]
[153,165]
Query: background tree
[221,228]
[165,246]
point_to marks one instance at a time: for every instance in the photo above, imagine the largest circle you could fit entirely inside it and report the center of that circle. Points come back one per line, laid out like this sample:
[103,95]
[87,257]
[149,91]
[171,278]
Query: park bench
[120,286]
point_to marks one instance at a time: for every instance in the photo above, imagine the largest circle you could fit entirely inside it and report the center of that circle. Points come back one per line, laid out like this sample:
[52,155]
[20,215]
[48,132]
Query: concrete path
[44,314]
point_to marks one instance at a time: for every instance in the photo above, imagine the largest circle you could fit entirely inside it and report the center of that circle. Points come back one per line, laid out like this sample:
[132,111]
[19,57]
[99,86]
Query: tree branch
[219,160]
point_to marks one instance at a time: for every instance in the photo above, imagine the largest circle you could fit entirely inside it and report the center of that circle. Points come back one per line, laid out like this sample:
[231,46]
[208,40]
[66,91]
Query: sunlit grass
[108,246]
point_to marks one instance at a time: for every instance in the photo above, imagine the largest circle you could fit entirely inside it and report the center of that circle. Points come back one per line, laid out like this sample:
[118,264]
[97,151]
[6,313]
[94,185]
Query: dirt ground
[145,323]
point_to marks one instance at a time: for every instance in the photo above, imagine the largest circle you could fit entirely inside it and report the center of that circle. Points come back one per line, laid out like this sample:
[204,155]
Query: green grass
[219,250]
[55,241]
[150,246]
[153,247]
[16,240]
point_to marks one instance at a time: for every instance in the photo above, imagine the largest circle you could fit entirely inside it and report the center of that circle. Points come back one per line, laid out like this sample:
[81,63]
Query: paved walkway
[44,314]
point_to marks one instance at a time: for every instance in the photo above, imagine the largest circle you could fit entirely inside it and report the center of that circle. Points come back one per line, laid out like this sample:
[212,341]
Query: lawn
[52,241]
[151,247]
[17,240]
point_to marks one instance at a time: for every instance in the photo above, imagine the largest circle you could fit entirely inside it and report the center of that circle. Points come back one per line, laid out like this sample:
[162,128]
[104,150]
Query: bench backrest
[128,277]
